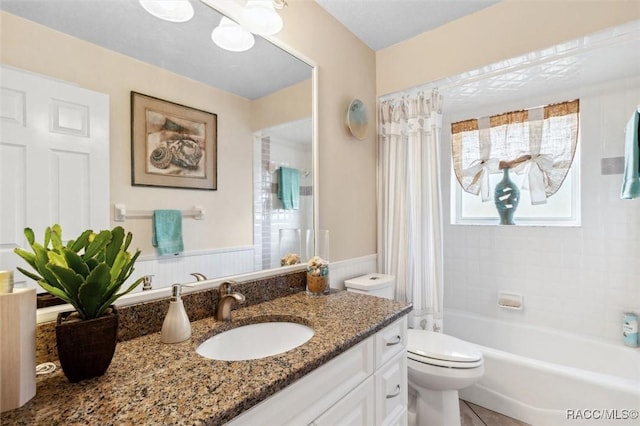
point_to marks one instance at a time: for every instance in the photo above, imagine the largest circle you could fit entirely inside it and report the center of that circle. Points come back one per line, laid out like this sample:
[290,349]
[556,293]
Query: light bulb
[231,36]
[260,17]
[169,10]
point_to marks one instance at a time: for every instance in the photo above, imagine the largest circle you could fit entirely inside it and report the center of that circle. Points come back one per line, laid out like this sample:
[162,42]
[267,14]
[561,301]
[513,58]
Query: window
[537,146]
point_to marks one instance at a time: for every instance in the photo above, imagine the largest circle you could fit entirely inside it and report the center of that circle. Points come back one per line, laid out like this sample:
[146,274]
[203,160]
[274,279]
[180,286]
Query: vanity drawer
[391,390]
[390,341]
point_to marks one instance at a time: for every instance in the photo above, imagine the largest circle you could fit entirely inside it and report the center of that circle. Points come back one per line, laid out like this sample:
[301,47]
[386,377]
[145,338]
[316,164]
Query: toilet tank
[380,285]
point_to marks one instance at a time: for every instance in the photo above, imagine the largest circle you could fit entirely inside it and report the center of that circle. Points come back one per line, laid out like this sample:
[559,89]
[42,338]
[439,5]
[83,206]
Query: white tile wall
[574,279]
[269,216]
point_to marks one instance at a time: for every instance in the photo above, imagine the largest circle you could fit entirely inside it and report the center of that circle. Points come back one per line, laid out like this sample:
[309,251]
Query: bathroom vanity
[353,367]
[365,385]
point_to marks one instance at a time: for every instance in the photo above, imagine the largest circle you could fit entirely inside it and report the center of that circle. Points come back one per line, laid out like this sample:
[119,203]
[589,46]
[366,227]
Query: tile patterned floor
[474,415]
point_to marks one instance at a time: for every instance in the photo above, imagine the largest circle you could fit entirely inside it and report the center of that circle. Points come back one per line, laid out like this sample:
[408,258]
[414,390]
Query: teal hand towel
[167,231]
[631,177]
[289,188]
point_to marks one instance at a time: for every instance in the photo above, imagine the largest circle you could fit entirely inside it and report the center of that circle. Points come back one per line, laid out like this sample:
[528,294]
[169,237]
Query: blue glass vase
[507,197]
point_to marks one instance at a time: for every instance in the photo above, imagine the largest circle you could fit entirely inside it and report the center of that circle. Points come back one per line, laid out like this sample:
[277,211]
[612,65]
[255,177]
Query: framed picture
[172,145]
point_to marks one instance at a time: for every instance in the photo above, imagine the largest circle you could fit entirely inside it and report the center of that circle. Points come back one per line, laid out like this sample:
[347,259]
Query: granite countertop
[149,382]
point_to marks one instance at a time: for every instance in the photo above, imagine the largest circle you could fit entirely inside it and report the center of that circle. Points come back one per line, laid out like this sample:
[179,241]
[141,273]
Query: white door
[54,160]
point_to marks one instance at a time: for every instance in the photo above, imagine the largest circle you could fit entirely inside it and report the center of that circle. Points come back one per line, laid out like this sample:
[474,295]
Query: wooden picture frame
[172,145]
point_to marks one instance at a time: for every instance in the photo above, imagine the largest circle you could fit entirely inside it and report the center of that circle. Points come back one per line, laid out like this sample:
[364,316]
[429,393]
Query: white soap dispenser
[176,327]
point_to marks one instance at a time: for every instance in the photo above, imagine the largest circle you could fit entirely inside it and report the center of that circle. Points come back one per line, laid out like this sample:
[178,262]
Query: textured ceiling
[187,49]
[184,48]
[382,23]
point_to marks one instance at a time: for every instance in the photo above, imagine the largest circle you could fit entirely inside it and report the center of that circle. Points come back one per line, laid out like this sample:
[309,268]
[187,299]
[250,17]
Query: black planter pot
[86,348]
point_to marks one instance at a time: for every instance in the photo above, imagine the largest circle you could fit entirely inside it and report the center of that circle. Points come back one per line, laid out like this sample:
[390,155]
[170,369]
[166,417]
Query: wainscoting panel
[351,268]
[168,270]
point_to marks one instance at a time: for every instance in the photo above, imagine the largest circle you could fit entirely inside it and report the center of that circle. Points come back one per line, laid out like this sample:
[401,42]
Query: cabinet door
[402,419]
[355,409]
[391,390]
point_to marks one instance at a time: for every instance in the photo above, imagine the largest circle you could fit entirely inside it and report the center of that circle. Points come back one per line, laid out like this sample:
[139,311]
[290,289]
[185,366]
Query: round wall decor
[357,120]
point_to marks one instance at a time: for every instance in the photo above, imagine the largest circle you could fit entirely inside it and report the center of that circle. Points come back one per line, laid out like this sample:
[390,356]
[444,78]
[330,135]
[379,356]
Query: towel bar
[120,213]
[272,169]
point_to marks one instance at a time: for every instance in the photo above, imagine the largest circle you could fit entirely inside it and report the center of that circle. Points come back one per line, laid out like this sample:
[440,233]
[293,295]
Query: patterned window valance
[545,137]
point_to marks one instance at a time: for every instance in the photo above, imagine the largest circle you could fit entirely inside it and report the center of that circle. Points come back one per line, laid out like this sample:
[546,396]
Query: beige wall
[346,70]
[228,221]
[289,104]
[504,30]
[347,188]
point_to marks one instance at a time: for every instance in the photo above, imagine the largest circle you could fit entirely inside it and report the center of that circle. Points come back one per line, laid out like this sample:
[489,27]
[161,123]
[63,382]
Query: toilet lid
[441,347]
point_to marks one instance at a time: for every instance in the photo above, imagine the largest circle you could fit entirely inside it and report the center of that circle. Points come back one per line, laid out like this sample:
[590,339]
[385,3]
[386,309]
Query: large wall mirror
[263,99]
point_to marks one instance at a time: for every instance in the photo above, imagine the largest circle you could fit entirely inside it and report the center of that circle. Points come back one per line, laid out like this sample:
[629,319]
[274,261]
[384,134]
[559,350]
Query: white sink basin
[255,341]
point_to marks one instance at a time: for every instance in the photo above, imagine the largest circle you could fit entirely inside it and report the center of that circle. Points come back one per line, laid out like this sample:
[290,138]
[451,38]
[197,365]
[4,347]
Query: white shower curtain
[410,219]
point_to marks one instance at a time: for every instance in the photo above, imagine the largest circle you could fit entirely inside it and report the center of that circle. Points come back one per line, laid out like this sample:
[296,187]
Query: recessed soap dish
[510,300]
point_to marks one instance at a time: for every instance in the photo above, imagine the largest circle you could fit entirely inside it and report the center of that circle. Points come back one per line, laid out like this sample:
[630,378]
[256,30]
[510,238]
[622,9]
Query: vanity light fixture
[260,17]
[256,17]
[169,10]
[231,36]
[236,35]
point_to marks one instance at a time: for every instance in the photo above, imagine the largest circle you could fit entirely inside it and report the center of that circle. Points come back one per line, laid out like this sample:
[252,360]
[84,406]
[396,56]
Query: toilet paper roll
[17,348]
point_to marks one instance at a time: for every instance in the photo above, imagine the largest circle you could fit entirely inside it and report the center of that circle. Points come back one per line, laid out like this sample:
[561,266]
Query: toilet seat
[440,350]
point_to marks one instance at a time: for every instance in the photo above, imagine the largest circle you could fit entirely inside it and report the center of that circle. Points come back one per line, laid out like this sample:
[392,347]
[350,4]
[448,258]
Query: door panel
[54,160]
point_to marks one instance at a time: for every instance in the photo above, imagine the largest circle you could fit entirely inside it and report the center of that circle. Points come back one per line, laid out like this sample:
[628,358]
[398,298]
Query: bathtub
[547,377]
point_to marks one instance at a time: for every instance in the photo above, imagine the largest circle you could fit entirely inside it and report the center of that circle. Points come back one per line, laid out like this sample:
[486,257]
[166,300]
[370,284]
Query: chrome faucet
[199,276]
[225,299]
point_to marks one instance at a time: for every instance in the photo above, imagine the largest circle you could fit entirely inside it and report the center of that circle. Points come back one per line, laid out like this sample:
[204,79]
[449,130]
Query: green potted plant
[88,273]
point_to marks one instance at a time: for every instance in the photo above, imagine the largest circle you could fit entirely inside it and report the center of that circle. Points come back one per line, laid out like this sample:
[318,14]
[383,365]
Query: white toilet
[439,365]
